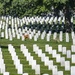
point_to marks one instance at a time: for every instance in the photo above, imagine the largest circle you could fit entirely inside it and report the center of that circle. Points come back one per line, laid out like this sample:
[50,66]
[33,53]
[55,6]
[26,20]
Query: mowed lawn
[41,43]
[9,64]
[29,44]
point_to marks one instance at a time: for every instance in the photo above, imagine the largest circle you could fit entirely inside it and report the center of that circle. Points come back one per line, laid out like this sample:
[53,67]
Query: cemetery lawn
[29,44]
[41,43]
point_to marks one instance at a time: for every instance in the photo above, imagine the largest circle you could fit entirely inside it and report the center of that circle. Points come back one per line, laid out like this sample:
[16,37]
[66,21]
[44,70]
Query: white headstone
[18,36]
[74,40]
[20,69]
[67,37]
[35,38]
[54,70]
[46,47]
[67,65]
[61,36]
[48,37]
[54,54]
[10,38]
[59,48]
[72,19]
[45,74]
[68,53]
[42,36]
[6,73]
[72,70]
[59,19]
[39,53]
[62,61]
[64,50]
[60,73]
[30,36]
[25,73]
[72,34]
[43,57]
[50,65]
[55,19]
[73,58]
[50,50]
[46,61]
[55,36]
[2,34]
[73,48]
[23,38]
[37,69]
[58,58]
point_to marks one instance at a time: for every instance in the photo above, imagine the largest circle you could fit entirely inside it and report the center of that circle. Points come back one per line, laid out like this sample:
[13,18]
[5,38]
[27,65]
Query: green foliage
[61,1]
[47,2]
[1,8]
[27,7]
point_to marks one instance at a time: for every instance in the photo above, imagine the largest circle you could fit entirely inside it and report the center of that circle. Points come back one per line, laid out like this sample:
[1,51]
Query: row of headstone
[60,37]
[64,51]
[20,22]
[54,54]
[37,19]
[15,59]
[72,70]
[58,57]
[10,33]
[2,65]
[18,32]
[30,59]
[17,63]
[46,60]
[13,33]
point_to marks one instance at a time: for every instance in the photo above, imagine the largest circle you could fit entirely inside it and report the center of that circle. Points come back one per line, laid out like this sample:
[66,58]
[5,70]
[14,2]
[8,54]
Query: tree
[21,8]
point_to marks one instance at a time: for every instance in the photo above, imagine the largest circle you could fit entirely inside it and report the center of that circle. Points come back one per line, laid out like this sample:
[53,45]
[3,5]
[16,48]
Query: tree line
[22,8]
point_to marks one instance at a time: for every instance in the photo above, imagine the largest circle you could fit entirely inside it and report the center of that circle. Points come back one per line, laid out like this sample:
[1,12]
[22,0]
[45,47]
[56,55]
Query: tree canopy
[21,8]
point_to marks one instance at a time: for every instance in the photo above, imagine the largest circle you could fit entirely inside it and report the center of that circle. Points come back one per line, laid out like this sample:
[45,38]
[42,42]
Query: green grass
[41,43]
[10,67]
